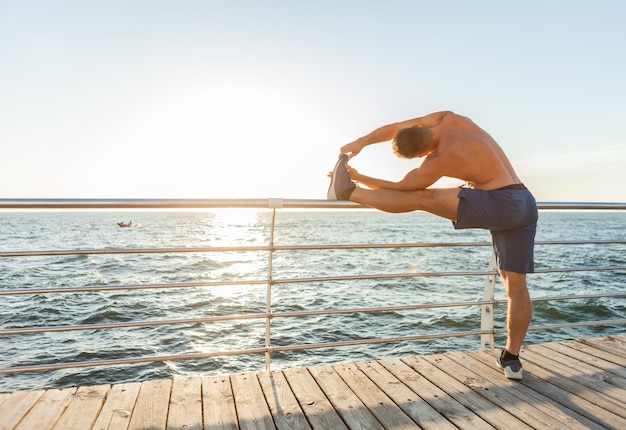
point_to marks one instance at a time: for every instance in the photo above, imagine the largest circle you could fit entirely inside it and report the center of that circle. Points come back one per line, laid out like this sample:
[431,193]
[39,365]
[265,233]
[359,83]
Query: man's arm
[417,179]
[389,131]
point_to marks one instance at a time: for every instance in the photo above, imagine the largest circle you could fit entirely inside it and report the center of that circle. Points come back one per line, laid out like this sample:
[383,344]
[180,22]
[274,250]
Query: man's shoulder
[452,119]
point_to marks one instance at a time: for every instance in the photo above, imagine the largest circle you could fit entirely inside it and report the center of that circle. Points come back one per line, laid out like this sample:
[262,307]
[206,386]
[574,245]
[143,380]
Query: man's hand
[353,172]
[351,149]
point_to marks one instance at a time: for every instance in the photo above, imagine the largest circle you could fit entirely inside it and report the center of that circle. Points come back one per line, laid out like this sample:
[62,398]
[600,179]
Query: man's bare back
[465,151]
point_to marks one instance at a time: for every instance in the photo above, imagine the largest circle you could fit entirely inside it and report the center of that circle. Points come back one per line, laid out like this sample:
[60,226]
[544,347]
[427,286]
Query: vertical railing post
[273,204]
[486,317]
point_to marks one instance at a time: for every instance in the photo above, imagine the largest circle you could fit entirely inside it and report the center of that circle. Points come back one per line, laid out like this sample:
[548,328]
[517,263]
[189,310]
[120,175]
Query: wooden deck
[574,384]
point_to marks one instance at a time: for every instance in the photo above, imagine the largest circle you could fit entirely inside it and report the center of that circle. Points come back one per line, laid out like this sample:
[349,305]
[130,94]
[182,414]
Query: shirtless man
[494,199]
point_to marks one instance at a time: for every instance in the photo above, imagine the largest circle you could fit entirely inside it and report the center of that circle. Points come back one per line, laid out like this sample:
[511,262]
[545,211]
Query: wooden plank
[495,391]
[16,406]
[152,405]
[346,403]
[412,405]
[572,384]
[596,367]
[455,412]
[218,404]
[118,408]
[316,406]
[538,379]
[47,410]
[577,379]
[84,408]
[556,409]
[3,397]
[283,404]
[466,392]
[527,405]
[618,338]
[610,344]
[617,361]
[185,411]
[374,399]
[252,409]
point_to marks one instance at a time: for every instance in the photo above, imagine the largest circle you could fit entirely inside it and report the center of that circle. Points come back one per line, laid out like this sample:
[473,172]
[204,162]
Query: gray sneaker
[341,186]
[512,368]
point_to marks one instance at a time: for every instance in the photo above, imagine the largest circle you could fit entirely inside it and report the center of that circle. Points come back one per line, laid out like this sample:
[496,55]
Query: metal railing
[487,304]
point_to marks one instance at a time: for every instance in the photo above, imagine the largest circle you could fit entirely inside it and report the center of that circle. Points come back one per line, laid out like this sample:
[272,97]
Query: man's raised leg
[443,202]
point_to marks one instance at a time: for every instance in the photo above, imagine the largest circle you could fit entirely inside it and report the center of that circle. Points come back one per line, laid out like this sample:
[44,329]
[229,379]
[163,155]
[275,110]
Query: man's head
[413,142]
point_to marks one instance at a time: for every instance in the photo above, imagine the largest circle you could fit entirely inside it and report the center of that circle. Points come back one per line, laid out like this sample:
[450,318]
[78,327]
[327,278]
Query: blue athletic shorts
[510,213]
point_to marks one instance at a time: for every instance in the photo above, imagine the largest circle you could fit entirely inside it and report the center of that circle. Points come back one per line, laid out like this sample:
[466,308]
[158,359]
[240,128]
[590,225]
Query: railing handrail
[292,314]
[488,302]
[113,251]
[277,281]
[269,203]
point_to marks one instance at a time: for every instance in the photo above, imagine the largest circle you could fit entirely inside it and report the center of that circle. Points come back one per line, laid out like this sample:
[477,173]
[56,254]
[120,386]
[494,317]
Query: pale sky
[253,99]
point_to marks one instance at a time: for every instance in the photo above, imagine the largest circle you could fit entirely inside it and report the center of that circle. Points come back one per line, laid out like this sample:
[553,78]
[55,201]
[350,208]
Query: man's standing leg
[519,309]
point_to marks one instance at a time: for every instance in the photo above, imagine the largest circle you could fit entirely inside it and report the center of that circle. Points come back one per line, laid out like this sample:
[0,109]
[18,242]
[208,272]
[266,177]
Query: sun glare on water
[241,227]
[237,225]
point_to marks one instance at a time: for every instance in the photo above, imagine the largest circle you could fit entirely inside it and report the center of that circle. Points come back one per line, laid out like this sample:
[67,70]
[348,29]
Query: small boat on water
[123,224]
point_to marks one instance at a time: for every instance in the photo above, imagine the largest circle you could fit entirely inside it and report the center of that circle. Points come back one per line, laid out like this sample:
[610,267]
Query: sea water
[36,231]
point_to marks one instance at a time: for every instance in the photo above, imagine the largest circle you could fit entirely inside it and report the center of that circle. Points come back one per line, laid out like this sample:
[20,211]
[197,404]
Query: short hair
[412,141]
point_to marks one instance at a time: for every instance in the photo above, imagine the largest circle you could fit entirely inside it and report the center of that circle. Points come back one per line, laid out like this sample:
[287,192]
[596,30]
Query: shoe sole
[509,373]
[330,195]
